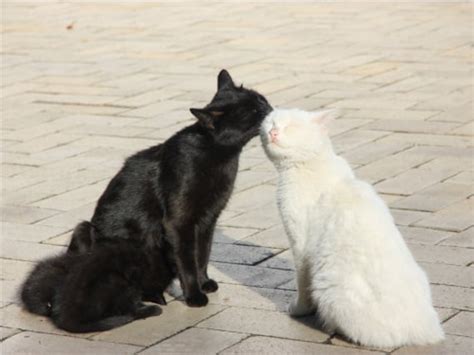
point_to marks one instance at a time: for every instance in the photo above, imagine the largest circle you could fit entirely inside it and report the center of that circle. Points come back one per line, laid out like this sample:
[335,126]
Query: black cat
[173,193]
[97,290]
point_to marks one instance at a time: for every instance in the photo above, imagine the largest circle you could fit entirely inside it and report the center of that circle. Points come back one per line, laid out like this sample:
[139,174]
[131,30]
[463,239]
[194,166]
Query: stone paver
[37,343]
[266,345]
[86,85]
[261,322]
[196,340]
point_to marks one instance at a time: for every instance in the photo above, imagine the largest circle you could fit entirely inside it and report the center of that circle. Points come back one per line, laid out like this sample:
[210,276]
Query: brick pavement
[84,86]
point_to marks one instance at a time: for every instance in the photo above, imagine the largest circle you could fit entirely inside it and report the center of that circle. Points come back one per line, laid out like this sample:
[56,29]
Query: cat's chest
[294,203]
[215,184]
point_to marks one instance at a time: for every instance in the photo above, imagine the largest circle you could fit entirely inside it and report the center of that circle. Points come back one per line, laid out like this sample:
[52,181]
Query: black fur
[97,290]
[172,194]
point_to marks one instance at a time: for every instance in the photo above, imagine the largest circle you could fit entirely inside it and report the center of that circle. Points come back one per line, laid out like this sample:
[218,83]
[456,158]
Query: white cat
[353,267]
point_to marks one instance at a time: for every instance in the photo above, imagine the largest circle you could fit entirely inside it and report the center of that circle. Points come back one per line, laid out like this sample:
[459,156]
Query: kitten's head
[294,135]
[235,113]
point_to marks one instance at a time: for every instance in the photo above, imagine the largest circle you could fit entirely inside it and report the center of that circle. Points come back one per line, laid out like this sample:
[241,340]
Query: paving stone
[25,214]
[390,199]
[453,297]
[407,217]
[449,274]
[12,275]
[373,151]
[7,332]
[13,316]
[352,139]
[457,217]
[252,297]
[267,345]
[264,217]
[240,254]
[412,126]
[196,340]
[290,285]
[13,249]
[70,218]
[412,181]
[175,317]
[464,177]
[261,322]
[274,237]
[442,254]
[29,232]
[452,345]
[250,178]
[463,239]
[13,169]
[392,165]
[434,198]
[249,275]
[281,261]
[232,235]
[253,198]
[445,313]
[43,143]
[452,163]
[75,198]
[423,235]
[461,324]
[29,343]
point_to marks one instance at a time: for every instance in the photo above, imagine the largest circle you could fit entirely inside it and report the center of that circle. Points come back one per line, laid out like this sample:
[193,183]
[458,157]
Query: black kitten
[98,290]
[173,193]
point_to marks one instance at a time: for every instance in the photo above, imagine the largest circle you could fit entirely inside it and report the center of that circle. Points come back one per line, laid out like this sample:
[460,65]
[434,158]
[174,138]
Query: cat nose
[273,134]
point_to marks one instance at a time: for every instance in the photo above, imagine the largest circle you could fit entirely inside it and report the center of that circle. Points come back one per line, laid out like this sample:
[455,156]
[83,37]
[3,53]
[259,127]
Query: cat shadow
[273,294]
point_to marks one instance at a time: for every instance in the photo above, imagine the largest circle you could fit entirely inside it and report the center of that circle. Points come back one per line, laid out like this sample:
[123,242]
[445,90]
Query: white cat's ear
[324,118]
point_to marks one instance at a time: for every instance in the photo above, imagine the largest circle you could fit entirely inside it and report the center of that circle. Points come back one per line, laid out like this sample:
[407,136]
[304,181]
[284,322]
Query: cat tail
[82,238]
[38,290]
[33,301]
[106,323]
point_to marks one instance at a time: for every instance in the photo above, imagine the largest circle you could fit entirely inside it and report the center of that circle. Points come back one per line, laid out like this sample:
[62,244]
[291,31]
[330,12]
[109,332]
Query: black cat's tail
[34,302]
[41,285]
[106,323]
[82,238]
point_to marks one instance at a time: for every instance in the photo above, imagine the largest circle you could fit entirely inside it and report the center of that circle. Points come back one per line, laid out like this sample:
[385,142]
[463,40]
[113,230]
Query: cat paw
[157,298]
[147,311]
[197,300]
[209,286]
[299,310]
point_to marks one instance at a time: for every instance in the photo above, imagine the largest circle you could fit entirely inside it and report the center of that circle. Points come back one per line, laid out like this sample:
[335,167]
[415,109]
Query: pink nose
[273,134]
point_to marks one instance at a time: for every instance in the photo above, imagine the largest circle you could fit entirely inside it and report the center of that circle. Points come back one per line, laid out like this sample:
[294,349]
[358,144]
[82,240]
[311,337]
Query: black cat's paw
[147,311]
[210,286]
[156,298]
[197,300]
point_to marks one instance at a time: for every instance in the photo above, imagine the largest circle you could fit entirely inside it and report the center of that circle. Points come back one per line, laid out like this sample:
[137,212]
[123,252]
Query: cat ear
[224,80]
[206,117]
[324,118]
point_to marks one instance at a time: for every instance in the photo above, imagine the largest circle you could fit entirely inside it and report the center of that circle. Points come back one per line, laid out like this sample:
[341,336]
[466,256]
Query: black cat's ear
[224,80]
[206,117]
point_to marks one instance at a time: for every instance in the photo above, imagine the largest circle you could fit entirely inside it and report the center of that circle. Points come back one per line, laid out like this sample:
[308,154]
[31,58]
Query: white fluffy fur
[353,267]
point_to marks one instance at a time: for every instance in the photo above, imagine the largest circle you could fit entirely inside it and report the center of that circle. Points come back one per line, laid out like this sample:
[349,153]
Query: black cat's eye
[255,110]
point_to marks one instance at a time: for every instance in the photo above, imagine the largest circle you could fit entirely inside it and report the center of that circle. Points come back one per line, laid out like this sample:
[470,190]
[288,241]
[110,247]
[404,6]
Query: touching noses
[273,134]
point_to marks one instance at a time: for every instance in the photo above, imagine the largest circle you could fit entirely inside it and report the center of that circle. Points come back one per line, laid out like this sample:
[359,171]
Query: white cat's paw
[298,309]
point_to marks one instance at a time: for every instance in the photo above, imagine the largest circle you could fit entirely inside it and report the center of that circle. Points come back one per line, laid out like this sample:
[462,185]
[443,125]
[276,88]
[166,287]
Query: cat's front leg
[204,248]
[302,305]
[184,241]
